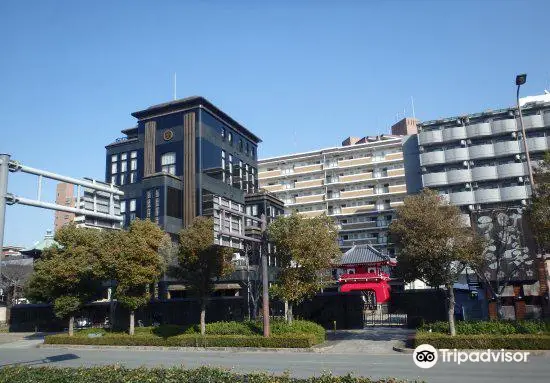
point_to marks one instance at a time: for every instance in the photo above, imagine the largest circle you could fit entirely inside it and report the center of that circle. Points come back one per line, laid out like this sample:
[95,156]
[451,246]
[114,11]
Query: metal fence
[380,318]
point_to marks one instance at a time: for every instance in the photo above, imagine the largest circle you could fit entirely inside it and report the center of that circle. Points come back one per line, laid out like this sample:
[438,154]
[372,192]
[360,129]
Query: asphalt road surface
[298,364]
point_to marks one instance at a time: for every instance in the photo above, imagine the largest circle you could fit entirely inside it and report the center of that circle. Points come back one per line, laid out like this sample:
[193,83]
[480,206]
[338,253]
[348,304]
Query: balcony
[457,154]
[459,176]
[546,118]
[310,198]
[273,188]
[452,134]
[431,137]
[431,158]
[434,179]
[462,198]
[398,189]
[512,193]
[396,172]
[537,144]
[356,193]
[357,209]
[484,173]
[533,122]
[311,213]
[476,130]
[504,126]
[358,225]
[356,177]
[307,169]
[487,195]
[355,162]
[506,148]
[394,204]
[308,183]
[271,173]
[481,151]
[511,170]
[394,156]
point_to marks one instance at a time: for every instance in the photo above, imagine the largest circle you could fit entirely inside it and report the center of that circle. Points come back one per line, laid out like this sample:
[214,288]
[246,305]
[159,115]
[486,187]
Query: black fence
[346,309]
[419,305]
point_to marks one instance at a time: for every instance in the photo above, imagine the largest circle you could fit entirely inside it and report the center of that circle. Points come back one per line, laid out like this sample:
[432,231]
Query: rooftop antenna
[175,85]
[412,105]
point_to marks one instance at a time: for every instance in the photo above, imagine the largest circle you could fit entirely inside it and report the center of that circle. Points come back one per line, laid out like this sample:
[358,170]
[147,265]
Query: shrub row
[491,327]
[188,340]
[113,374]
[509,342]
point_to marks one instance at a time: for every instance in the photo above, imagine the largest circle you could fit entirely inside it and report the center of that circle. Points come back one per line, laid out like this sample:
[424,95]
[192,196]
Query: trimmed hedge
[114,374]
[188,340]
[508,342]
[491,327]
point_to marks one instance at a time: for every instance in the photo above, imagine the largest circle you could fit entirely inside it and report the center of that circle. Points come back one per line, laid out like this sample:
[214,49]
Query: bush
[189,340]
[114,374]
[227,328]
[510,342]
[490,327]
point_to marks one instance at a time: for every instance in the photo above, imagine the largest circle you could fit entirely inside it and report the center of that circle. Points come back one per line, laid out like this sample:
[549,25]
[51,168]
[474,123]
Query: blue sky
[300,74]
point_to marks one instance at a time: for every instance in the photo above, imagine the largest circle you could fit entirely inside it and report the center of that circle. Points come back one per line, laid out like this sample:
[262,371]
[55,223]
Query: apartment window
[223,134]
[114,158]
[230,138]
[122,207]
[133,164]
[240,145]
[230,162]
[133,177]
[133,205]
[122,178]
[173,202]
[133,154]
[223,165]
[168,163]
[123,166]
[240,174]
[114,168]
[254,210]
[123,156]
[113,180]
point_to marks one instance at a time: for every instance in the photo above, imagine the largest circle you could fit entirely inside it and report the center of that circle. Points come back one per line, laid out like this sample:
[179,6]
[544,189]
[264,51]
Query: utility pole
[520,80]
[265,281]
[4,171]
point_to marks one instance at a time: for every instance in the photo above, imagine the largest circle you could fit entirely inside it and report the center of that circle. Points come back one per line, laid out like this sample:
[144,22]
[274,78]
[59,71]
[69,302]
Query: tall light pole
[520,80]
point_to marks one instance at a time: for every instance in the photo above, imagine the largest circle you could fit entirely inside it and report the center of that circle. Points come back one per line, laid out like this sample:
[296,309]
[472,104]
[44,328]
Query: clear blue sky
[300,74]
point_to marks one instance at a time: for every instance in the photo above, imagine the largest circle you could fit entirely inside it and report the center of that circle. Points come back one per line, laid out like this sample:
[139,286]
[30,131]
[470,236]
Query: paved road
[298,364]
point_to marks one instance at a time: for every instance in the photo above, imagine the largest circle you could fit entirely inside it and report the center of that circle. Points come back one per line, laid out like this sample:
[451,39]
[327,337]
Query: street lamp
[520,80]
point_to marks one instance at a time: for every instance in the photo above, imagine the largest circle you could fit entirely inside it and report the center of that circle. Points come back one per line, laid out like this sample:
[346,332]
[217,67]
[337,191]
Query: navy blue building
[185,158]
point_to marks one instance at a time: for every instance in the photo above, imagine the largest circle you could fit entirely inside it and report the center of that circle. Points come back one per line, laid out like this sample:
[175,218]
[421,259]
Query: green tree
[306,249]
[200,261]
[434,245]
[65,275]
[132,259]
[539,210]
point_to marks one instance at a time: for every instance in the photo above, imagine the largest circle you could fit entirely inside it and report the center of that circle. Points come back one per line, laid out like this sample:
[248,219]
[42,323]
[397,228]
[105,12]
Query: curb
[163,348]
[403,350]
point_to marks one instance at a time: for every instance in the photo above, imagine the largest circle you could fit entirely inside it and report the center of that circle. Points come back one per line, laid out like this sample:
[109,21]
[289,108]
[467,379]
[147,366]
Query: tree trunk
[500,312]
[203,316]
[289,313]
[131,330]
[71,325]
[451,309]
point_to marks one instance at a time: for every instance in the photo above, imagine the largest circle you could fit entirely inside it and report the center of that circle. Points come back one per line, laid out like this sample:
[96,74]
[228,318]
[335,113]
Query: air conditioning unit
[463,142]
[524,202]
[465,163]
[517,157]
[520,179]
[514,134]
[469,142]
[471,207]
[468,185]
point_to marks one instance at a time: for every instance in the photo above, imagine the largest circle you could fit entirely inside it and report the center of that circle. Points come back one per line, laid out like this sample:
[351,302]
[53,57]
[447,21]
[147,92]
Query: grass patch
[114,374]
[301,334]
[484,341]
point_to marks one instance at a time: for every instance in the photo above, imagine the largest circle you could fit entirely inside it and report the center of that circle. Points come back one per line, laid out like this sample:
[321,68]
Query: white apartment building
[359,184]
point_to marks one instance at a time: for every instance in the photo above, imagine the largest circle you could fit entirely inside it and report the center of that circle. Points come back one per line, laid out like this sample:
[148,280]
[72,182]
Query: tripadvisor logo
[426,356]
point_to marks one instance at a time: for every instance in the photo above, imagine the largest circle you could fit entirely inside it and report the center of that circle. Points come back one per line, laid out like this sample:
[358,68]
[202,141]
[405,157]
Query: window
[173,203]
[223,134]
[113,180]
[223,165]
[230,138]
[133,177]
[133,205]
[247,149]
[240,145]
[123,178]
[122,207]
[230,163]
[240,174]
[123,156]
[254,210]
[133,164]
[123,166]
[133,154]
[114,168]
[168,163]
[253,151]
